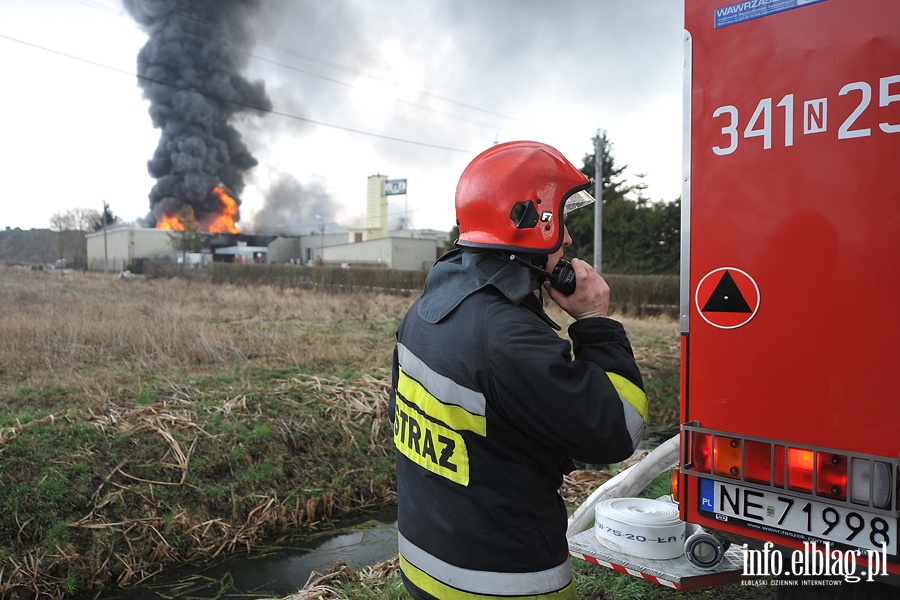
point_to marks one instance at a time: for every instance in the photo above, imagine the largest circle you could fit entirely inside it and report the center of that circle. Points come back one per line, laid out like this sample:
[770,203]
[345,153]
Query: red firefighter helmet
[513,196]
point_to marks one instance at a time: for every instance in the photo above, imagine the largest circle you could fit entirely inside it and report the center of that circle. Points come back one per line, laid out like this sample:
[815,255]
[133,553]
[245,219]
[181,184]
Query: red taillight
[827,473]
[675,483]
[778,479]
[831,475]
[800,470]
[701,452]
[757,461]
[727,456]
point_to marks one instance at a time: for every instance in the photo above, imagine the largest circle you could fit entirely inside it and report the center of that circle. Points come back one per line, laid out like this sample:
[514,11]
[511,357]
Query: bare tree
[70,227]
[62,224]
[84,223]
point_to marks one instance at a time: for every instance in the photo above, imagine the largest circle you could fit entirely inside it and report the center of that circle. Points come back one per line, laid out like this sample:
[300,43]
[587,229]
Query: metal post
[105,252]
[321,240]
[598,205]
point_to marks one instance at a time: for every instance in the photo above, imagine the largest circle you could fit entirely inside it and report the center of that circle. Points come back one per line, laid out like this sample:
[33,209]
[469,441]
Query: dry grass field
[147,422]
[67,329]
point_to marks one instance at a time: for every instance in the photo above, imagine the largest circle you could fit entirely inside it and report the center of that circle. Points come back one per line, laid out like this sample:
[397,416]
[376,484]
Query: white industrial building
[395,251]
[120,248]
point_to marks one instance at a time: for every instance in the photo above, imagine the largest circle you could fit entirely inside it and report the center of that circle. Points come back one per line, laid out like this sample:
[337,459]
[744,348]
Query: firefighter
[488,406]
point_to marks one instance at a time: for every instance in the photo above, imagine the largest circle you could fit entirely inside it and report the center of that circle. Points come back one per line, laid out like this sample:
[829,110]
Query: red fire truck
[790,288]
[791,272]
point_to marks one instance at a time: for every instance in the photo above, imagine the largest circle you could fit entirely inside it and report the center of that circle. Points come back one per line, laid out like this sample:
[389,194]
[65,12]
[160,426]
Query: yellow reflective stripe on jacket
[634,403]
[430,445]
[631,393]
[449,582]
[456,417]
[445,389]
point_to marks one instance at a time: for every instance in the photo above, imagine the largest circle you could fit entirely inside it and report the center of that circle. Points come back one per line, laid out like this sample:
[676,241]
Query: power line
[230,101]
[350,85]
[313,58]
[99,6]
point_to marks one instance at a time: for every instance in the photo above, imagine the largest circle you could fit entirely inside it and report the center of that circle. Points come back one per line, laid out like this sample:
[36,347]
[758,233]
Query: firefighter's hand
[591,296]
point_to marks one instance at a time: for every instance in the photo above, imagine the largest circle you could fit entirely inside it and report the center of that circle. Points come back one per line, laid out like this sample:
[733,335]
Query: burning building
[128,247]
[371,246]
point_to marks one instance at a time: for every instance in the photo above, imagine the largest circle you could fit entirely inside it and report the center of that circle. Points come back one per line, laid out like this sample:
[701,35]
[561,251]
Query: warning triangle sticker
[727,297]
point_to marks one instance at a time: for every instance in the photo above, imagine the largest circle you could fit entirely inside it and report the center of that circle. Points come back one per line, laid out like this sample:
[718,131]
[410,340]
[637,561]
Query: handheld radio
[562,279]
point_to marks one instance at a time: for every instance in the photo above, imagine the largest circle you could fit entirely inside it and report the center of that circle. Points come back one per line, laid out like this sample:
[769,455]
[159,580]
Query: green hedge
[633,295]
[333,280]
[644,295]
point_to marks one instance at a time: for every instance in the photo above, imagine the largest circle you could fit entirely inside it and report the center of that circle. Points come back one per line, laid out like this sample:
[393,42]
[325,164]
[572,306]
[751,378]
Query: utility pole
[598,197]
[105,251]
[321,240]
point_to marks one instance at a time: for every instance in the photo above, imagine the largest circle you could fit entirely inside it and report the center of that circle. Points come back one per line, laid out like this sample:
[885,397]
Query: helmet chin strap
[530,265]
[543,274]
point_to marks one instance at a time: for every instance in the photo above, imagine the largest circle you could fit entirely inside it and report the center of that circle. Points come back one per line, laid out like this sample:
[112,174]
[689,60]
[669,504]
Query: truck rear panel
[790,278]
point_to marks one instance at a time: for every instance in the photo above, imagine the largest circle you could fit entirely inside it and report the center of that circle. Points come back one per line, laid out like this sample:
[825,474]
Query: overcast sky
[412,89]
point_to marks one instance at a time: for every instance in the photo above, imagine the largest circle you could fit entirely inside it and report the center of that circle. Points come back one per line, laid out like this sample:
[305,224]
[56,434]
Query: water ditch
[273,570]
[283,566]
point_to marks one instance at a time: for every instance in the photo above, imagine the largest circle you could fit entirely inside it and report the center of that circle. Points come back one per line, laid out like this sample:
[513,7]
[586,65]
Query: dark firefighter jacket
[488,407]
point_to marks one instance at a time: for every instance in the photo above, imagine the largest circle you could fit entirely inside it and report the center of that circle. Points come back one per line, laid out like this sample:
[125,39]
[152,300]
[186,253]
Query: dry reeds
[60,330]
[326,585]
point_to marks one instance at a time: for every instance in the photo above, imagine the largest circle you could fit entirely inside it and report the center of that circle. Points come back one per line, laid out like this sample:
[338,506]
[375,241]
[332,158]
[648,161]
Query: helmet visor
[577,200]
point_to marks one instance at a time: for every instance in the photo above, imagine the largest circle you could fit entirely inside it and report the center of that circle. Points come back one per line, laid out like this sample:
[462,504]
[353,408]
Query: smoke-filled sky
[322,94]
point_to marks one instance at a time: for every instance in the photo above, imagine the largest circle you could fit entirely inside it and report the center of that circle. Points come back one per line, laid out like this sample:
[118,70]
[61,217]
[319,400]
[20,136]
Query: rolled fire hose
[640,527]
[628,483]
[701,548]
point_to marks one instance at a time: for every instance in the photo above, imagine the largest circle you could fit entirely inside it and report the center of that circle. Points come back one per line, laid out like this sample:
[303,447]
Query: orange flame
[172,222]
[223,222]
[220,222]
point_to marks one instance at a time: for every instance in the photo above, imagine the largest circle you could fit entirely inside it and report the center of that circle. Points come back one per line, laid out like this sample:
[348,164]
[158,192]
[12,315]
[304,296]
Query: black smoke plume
[190,71]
